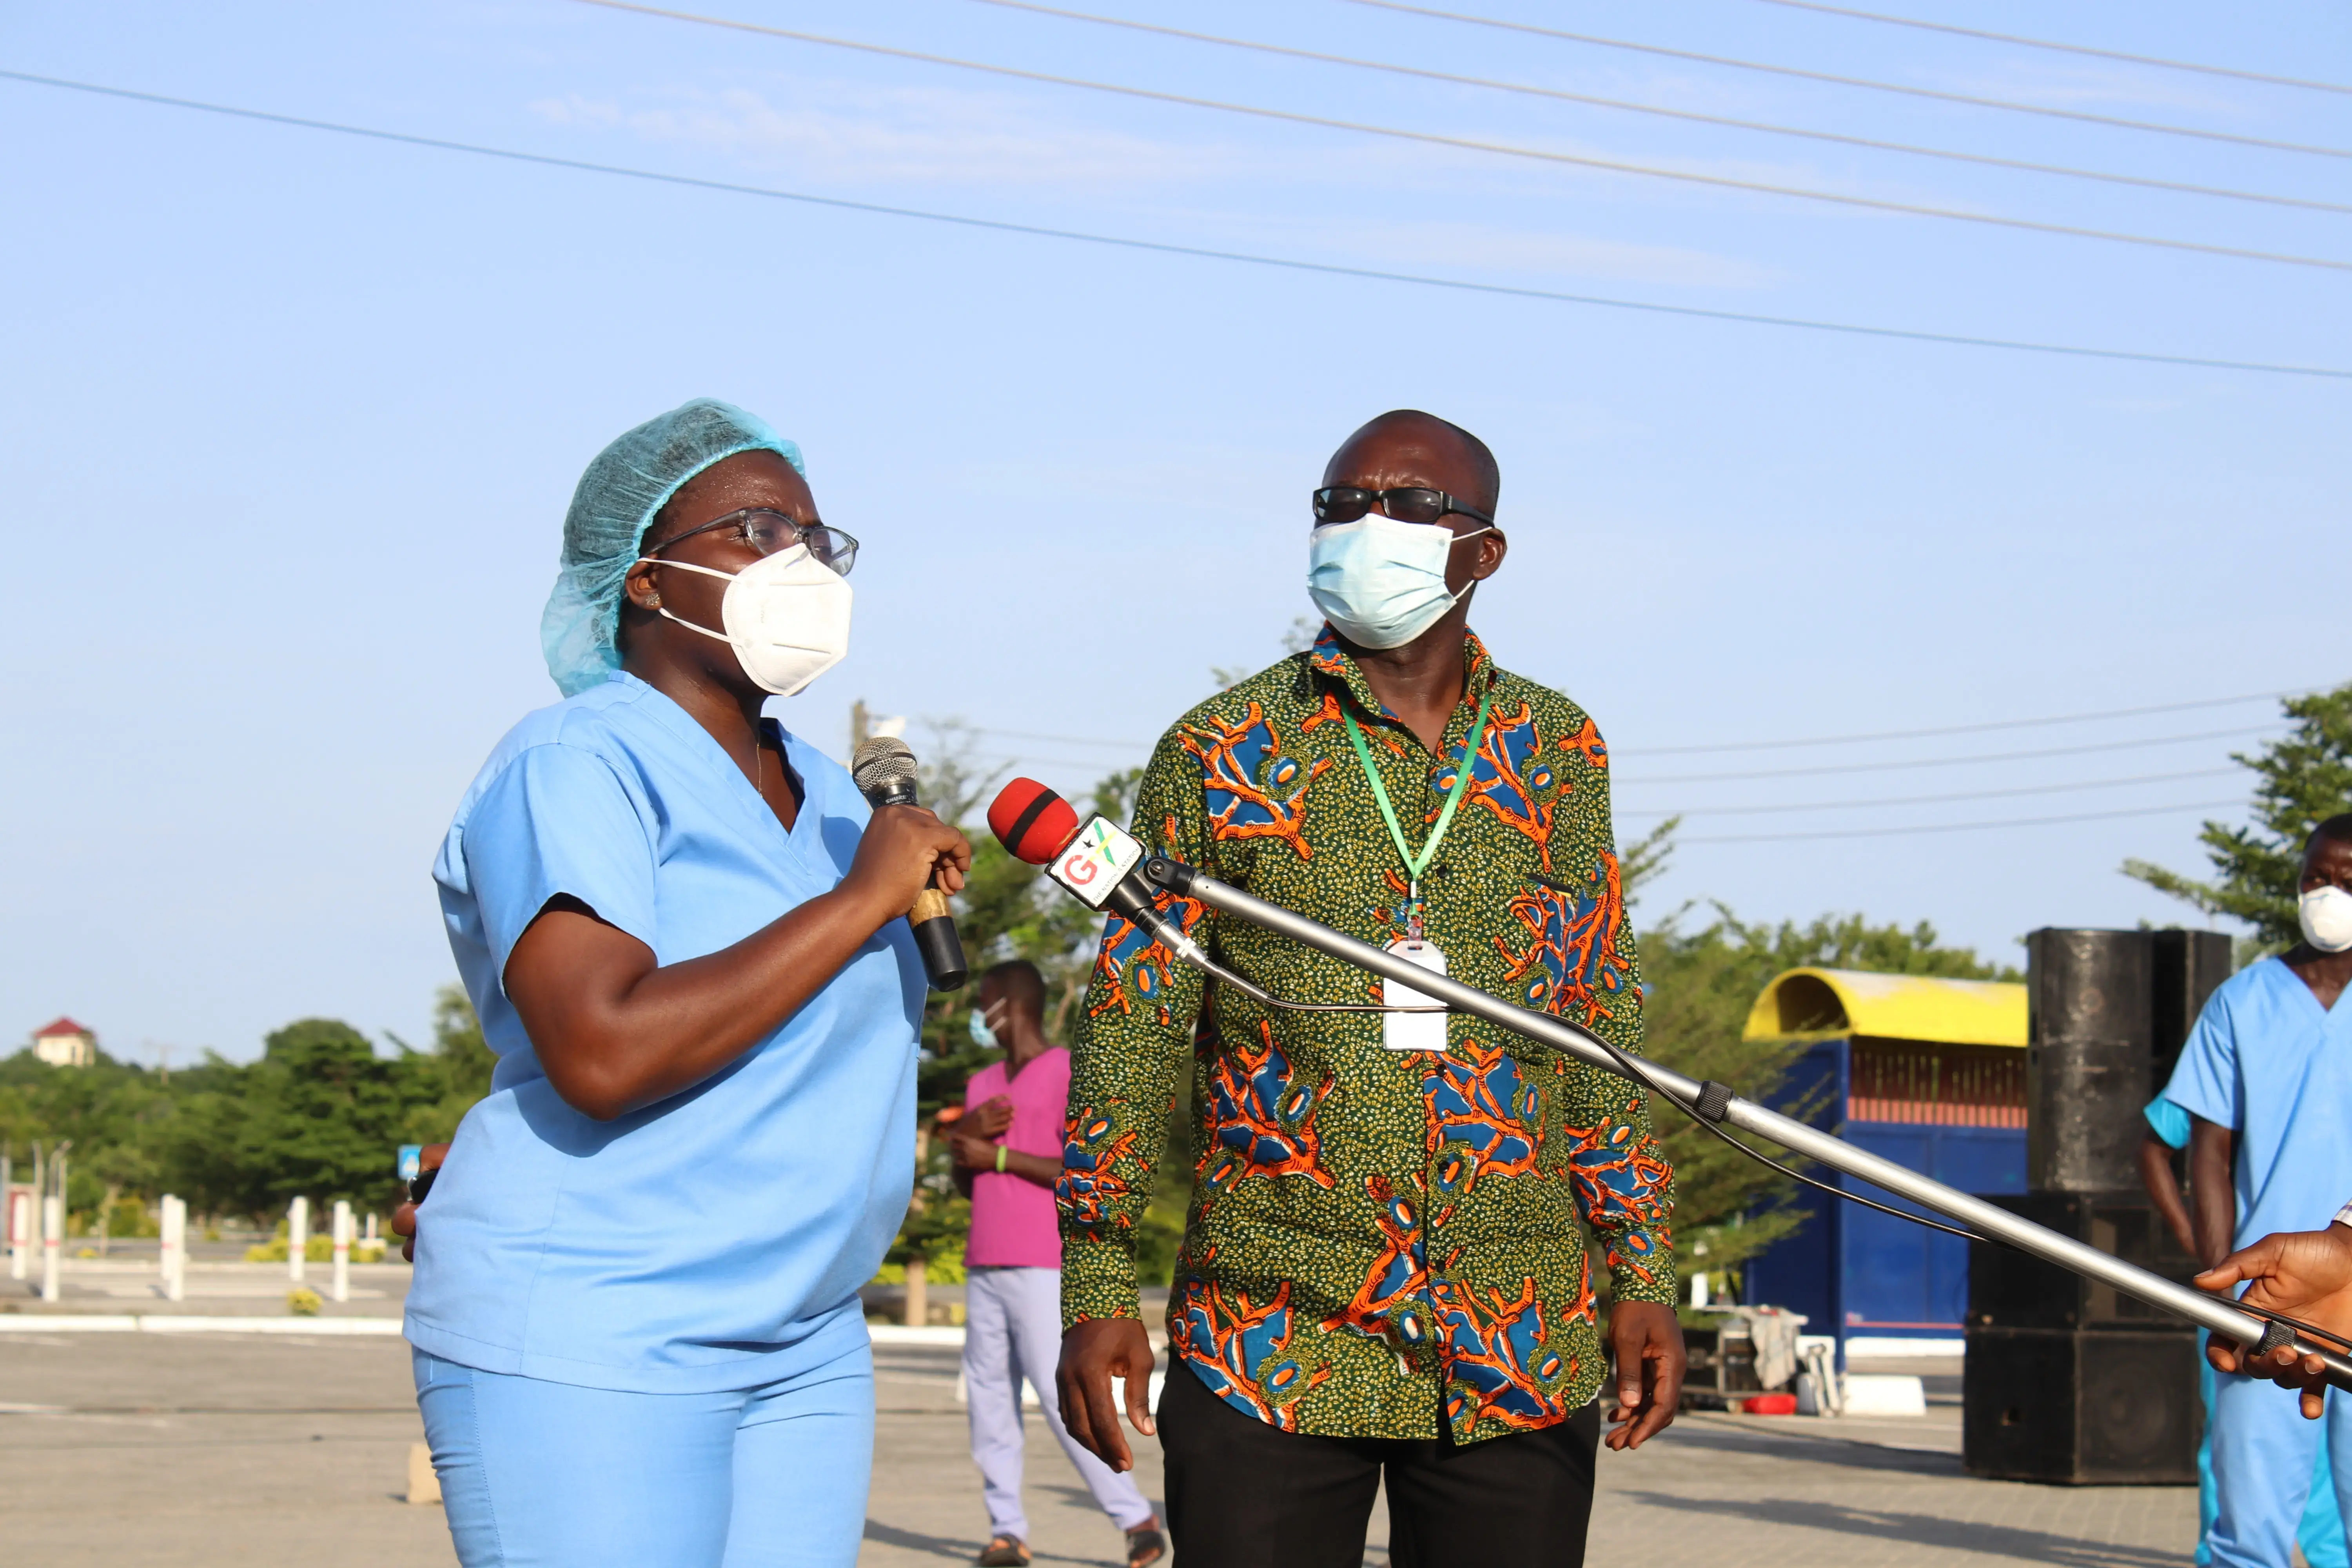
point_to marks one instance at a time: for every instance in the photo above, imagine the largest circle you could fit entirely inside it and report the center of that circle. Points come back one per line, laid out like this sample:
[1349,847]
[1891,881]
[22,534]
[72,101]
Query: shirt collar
[1329,660]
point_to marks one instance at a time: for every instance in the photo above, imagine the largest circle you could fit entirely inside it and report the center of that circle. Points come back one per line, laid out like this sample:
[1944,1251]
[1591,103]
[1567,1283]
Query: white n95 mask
[1379,581]
[2325,916]
[787,614]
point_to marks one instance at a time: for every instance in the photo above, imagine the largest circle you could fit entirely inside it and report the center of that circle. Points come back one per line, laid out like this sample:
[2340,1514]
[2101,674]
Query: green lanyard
[1415,865]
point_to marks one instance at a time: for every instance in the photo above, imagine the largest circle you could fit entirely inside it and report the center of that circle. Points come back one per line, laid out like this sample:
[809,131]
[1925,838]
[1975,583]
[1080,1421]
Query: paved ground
[227,1449]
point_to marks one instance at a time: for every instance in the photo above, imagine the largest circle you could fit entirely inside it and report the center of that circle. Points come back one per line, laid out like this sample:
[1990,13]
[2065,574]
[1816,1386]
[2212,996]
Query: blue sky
[292,417]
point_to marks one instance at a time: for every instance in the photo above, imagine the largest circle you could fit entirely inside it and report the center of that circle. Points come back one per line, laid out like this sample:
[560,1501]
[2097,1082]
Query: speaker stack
[2066,1380]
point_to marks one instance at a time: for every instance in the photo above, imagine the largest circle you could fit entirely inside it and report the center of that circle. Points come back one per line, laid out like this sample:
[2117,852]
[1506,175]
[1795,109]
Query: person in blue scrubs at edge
[636,1324]
[2266,1079]
[2321,1532]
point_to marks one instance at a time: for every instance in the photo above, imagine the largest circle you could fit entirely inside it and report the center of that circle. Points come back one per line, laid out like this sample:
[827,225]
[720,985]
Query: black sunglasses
[768,531]
[1346,503]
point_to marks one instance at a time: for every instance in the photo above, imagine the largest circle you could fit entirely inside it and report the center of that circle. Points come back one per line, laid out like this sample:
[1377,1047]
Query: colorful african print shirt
[1379,1240]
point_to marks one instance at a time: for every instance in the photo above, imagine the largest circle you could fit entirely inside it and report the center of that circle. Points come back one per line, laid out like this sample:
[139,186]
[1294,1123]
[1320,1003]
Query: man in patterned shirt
[1384,1269]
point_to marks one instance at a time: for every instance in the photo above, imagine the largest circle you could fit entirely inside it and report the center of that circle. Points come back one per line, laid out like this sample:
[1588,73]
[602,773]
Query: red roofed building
[66,1043]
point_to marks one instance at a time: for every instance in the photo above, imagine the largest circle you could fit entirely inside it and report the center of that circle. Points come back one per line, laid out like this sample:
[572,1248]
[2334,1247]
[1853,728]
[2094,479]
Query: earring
[653,602]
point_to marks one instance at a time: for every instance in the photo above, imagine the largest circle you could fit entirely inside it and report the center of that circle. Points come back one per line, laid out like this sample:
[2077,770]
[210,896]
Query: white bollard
[298,1237]
[342,1285]
[371,1227]
[53,1231]
[175,1249]
[20,1232]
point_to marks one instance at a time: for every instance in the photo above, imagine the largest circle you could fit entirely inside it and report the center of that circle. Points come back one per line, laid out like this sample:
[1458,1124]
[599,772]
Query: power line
[2063,49]
[1981,728]
[1325,269]
[1880,735]
[2072,789]
[1858,81]
[1835,769]
[1131,748]
[1098,764]
[1530,91]
[1473,144]
[1065,740]
[1963,826]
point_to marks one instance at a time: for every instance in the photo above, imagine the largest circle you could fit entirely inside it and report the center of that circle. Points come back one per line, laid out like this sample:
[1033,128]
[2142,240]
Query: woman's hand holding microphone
[901,850]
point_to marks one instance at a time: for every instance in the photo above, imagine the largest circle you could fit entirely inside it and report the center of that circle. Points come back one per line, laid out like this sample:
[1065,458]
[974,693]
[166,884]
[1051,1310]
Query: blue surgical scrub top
[715,1240]
[2266,1062]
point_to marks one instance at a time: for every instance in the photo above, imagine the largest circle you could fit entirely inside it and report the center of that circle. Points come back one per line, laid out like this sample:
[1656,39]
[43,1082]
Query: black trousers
[1242,1494]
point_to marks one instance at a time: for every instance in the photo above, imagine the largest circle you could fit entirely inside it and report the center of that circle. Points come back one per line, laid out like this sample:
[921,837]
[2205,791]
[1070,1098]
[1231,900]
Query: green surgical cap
[627,484]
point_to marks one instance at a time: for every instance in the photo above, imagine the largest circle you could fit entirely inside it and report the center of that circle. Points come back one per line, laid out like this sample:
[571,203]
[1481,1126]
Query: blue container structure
[1928,1072]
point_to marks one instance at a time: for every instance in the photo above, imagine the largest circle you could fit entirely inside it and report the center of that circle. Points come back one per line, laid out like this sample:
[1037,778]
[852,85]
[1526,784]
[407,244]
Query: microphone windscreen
[880,763]
[1031,821]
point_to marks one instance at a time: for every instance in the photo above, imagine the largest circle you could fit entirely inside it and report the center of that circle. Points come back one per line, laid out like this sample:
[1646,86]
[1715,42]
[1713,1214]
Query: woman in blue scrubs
[636,1324]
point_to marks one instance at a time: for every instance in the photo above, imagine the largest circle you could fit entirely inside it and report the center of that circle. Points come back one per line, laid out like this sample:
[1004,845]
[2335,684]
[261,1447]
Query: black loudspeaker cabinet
[2186,966]
[2082,1408]
[2011,1289]
[2091,995]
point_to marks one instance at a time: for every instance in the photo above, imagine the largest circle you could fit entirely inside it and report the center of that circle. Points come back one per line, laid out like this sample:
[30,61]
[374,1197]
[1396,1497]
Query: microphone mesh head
[1031,821]
[881,763]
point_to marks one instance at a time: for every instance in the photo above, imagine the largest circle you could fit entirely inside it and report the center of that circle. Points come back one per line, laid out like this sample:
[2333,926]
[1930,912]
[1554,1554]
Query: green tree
[2304,778]
[320,1115]
[441,1085]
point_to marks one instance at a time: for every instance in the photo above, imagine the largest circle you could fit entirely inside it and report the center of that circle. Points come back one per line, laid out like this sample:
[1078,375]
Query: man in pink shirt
[1008,1155]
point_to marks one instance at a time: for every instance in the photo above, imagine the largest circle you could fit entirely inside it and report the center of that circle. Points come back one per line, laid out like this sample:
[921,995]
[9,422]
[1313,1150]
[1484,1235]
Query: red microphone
[1095,861]
[1032,822]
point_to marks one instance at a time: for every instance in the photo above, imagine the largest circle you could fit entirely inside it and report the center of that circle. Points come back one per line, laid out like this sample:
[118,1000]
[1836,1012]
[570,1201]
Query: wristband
[2344,1215]
[1000,1152]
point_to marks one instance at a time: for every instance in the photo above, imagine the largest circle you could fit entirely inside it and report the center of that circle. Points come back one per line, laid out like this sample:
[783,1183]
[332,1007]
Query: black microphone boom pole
[883,769]
[1717,1103]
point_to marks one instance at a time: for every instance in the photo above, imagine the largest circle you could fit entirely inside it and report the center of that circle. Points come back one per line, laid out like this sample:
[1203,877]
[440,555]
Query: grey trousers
[1012,1329]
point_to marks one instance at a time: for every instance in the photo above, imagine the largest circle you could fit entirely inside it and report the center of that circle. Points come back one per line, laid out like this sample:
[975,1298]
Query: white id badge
[1413,1031]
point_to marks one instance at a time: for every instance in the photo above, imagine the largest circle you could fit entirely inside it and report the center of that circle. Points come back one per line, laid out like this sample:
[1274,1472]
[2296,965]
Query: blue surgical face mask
[1381,583]
[981,1035]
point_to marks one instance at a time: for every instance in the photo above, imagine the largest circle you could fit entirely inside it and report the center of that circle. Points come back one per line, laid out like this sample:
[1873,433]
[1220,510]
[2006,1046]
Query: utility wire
[1885,735]
[1530,91]
[1836,768]
[2061,48]
[1065,740]
[1131,748]
[1472,144]
[1702,811]
[1324,269]
[1980,728]
[1857,81]
[1964,826]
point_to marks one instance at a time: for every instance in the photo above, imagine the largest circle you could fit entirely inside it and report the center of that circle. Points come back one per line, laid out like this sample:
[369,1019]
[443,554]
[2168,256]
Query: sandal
[1145,1544]
[1004,1551]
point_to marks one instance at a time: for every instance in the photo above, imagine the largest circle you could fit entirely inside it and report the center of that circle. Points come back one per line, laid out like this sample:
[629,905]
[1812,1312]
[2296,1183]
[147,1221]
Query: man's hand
[403,1218]
[1092,1355]
[2304,1273]
[972,1154]
[989,1119]
[1651,1360]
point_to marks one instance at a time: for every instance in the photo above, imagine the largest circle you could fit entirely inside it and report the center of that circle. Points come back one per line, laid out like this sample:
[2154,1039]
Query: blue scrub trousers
[2321,1533]
[2271,1470]
[537,1472]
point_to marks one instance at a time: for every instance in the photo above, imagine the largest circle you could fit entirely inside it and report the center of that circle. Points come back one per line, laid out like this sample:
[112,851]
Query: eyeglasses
[768,531]
[1346,503]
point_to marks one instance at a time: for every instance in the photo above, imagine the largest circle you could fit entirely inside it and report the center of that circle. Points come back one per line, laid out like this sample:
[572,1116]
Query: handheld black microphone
[884,770]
